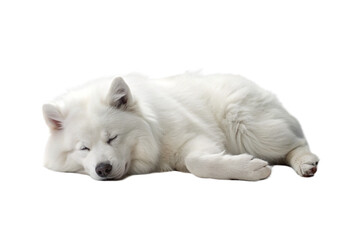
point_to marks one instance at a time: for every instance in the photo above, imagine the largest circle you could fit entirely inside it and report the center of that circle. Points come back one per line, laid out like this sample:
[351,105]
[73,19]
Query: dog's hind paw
[308,165]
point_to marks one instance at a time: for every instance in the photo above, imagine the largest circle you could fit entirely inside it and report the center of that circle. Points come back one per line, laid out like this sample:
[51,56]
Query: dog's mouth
[118,175]
[115,178]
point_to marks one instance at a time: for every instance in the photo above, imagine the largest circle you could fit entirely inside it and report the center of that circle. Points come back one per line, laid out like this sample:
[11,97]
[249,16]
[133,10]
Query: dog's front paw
[260,169]
[254,168]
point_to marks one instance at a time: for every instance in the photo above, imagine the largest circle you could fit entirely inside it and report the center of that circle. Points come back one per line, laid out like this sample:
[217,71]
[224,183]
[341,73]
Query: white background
[307,52]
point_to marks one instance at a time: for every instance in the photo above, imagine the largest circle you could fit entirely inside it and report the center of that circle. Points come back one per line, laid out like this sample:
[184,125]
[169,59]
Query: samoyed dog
[213,126]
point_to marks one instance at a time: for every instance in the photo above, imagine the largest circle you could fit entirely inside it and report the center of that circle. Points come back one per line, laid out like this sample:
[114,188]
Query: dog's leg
[207,161]
[303,161]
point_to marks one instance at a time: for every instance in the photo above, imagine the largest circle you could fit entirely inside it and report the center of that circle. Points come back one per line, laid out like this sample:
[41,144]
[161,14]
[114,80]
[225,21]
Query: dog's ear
[53,117]
[119,95]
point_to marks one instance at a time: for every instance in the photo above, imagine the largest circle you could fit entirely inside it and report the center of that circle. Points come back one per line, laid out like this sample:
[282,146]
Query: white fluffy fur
[215,126]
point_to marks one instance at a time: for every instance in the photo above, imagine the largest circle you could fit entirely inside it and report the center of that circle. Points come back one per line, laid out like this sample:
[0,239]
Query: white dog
[215,126]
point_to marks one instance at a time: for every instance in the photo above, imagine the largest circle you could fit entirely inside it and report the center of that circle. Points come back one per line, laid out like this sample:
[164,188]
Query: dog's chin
[109,178]
[116,177]
[119,175]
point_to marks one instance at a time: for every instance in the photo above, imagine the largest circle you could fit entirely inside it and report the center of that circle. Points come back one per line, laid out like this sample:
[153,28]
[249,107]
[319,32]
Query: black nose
[103,169]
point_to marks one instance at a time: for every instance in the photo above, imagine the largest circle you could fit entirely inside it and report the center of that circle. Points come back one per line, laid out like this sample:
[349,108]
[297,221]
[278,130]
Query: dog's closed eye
[83,148]
[111,139]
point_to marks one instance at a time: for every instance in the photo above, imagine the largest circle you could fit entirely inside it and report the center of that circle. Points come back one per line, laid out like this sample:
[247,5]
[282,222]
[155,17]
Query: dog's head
[96,131]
